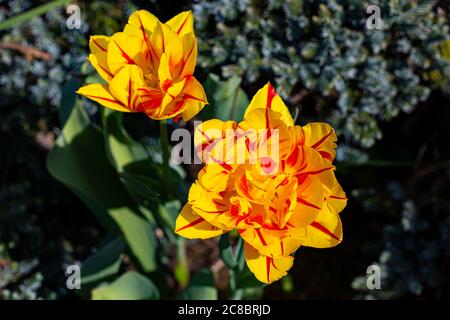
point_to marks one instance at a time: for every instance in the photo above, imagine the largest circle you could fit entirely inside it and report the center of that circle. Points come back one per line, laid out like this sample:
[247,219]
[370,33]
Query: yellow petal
[163,39]
[215,177]
[141,23]
[127,85]
[98,57]
[182,23]
[100,93]
[187,66]
[321,136]
[172,104]
[124,49]
[273,243]
[325,231]
[164,72]
[267,98]
[267,269]
[211,206]
[310,199]
[192,226]
[194,96]
[304,160]
[271,131]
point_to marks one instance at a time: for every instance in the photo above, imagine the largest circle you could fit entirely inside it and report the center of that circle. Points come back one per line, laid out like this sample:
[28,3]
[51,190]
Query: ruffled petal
[267,98]
[325,231]
[192,226]
[267,269]
[321,137]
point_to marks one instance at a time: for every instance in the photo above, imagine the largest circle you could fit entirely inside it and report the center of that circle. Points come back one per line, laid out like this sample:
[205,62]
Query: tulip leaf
[139,235]
[79,161]
[103,263]
[226,98]
[68,100]
[121,148]
[130,286]
[201,287]
[226,251]
[101,266]
[141,186]
[169,212]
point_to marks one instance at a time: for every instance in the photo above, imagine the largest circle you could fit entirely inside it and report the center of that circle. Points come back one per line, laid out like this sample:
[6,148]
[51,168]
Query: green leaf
[103,263]
[169,212]
[68,100]
[201,287]
[122,149]
[226,251]
[30,14]
[227,100]
[101,266]
[130,286]
[79,161]
[141,186]
[139,235]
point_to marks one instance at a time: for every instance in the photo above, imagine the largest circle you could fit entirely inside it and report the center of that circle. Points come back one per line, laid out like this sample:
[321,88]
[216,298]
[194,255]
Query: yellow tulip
[148,68]
[296,202]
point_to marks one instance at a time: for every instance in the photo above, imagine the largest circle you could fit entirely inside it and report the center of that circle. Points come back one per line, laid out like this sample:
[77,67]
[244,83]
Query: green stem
[165,155]
[30,14]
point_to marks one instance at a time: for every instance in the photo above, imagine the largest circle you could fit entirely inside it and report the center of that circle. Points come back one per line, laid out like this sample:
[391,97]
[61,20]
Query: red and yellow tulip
[148,68]
[275,208]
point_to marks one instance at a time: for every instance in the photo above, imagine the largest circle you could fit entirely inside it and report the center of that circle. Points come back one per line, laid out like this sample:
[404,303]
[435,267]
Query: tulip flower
[148,68]
[281,201]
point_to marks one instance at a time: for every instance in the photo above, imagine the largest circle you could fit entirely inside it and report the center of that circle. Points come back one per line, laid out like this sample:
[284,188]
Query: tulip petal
[325,231]
[100,93]
[211,207]
[127,85]
[164,40]
[267,269]
[273,243]
[192,226]
[164,72]
[141,23]
[321,136]
[182,23]
[98,57]
[267,98]
[215,177]
[187,66]
[310,199]
[125,49]
[194,96]
[265,121]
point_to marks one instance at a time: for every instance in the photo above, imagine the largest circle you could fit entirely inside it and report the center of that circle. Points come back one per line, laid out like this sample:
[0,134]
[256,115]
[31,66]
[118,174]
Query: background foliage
[385,91]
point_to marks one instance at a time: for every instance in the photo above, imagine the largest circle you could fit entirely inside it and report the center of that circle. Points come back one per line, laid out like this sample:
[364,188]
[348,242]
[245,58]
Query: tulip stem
[165,154]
